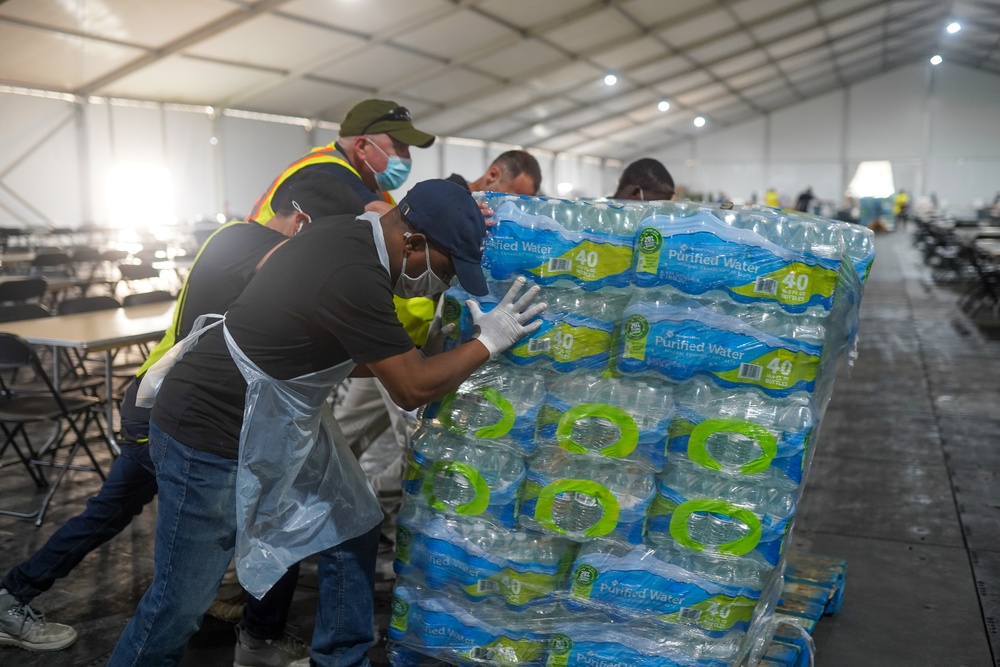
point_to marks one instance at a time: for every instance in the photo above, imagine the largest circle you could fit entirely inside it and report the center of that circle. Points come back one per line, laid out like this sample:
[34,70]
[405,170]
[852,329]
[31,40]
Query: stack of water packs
[618,488]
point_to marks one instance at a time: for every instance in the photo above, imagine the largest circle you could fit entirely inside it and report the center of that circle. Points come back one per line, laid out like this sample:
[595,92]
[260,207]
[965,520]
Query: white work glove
[505,325]
[437,334]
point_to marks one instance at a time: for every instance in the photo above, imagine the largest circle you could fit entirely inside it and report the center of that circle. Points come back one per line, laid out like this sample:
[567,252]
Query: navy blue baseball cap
[450,217]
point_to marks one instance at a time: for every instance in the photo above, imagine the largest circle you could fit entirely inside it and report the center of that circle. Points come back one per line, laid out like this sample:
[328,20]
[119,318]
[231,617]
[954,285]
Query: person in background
[514,172]
[805,198]
[901,208]
[222,268]
[645,179]
[771,198]
[372,155]
[320,308]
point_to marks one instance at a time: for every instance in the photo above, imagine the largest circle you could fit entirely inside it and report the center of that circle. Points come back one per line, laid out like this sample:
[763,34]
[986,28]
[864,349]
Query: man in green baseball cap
[372,155]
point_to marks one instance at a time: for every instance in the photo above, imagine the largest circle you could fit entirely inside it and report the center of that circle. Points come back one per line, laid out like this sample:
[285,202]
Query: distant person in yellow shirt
[771,198]
[901,208]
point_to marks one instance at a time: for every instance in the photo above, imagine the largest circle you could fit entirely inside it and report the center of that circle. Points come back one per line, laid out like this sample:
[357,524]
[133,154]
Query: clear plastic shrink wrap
[619,487]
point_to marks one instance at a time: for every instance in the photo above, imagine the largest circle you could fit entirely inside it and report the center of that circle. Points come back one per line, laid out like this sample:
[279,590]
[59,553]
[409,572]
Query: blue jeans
[130,486]
[195,539]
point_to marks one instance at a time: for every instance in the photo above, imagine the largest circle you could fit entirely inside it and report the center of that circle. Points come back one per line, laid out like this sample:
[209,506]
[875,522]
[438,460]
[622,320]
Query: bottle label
[560,646]
[463,567]
[507,651]
[596,646]
[444,629]
[398,622]
[681,343]
[637,585]
[701,253]
[404,542]
[566,343]
[545,251]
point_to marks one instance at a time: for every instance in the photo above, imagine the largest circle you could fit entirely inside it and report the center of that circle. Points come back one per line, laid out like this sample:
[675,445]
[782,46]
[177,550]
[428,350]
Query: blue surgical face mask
[396,170]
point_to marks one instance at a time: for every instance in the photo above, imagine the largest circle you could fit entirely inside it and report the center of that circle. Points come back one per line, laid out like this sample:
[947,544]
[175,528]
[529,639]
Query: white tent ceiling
[525,72]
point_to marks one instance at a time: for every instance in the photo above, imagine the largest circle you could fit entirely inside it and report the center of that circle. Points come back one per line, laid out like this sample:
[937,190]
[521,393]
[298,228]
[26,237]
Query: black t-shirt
[223,268]
[321,299]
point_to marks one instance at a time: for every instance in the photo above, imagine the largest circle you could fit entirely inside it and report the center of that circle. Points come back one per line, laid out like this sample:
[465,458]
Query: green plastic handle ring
[698,452]
[474,507]
[604,497]
[744,545]
[626,442]
[497,430]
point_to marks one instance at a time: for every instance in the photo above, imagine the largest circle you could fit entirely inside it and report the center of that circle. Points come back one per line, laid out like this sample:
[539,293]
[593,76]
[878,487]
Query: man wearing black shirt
[322,302]
[222,268]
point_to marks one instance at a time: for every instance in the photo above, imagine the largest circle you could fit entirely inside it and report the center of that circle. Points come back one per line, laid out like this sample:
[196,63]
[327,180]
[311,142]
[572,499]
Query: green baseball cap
[384,117]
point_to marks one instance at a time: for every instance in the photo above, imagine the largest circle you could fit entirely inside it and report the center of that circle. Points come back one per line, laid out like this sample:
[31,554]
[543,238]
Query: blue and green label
[636,585]
[700,253]
[565,343]
[681,343]
[544,251]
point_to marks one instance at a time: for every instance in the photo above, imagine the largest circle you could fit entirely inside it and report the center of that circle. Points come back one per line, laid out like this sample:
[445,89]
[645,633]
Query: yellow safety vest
[170,336]
[414,314]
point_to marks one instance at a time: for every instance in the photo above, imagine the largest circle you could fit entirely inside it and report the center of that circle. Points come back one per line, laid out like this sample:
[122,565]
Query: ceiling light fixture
[663,106]
[954,27]
[610,80]
[565,188]
[936,60]
[699,121]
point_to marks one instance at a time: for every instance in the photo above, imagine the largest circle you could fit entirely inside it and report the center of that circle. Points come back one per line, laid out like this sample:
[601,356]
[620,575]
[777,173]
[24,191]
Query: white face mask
[426,284]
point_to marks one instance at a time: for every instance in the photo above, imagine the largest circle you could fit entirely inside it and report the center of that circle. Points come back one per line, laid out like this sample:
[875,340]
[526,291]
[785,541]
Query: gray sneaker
[288,651]
[22,626]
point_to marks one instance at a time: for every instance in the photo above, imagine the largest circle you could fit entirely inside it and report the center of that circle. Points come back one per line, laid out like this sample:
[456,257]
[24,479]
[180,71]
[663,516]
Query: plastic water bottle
[789,420]
[597,642]
[751,572]
[498,403]
[768,493]
[482,399]
[455,468]
[646,405]
[575,511]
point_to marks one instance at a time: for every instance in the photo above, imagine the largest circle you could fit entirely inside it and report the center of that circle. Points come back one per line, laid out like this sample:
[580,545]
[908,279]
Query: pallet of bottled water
[618,489]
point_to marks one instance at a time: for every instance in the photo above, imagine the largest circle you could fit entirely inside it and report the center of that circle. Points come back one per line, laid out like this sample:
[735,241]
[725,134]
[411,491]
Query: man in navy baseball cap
[447,224]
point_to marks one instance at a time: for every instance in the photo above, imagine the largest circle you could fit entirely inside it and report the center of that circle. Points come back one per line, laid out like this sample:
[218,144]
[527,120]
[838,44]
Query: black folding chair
[156,296]
[52,264]
[21,291]
[133,273]
[22,311]
[65,413]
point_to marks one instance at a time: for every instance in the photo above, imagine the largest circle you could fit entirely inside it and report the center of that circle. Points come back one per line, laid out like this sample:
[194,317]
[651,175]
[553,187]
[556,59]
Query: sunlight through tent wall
[140,194]
[872,179]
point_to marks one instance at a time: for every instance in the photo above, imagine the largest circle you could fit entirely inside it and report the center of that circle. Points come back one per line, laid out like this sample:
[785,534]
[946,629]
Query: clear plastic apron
[299,489]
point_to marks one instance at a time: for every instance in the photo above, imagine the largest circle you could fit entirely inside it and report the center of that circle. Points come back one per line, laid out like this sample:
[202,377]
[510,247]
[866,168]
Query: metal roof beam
[154,55]
[759,21]
[916,53]
[915,23]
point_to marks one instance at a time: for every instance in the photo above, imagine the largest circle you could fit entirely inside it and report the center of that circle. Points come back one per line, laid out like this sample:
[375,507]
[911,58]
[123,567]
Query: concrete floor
[903,486]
